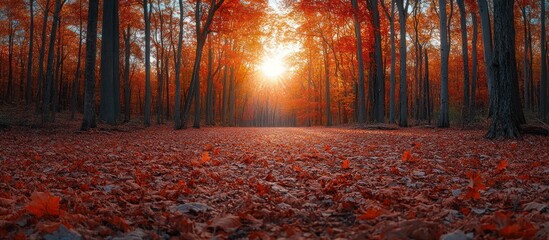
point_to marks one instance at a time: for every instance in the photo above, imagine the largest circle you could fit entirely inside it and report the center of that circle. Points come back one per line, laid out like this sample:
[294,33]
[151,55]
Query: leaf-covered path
[262,183]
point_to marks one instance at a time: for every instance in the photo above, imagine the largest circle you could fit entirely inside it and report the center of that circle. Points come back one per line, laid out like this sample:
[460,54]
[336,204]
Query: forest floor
[264,183]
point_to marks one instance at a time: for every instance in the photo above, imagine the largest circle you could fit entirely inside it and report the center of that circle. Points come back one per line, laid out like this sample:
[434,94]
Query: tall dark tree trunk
[543,103]
[391,16]
[507,113]
[147,117]
[403,95]
[41,57]
[9,89]
[465,57]
[127,89]
[177,110]
[427,91]
[29,58]
[49,65]
[379,81]
[361,95]
[486,40]
[444,118]
[209,91]
[110,78]
[76,82]
[474,74]
[89,70]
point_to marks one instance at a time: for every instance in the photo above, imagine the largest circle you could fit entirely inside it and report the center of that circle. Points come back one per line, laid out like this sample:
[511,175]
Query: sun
[273,67]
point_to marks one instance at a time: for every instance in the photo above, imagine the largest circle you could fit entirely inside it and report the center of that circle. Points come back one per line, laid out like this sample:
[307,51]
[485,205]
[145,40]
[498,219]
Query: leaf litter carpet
[265,183]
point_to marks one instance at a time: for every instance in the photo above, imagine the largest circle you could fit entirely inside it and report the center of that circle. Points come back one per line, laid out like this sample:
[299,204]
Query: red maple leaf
[502,165]
[407,156]
[345,164]
[43,204]
[370,214]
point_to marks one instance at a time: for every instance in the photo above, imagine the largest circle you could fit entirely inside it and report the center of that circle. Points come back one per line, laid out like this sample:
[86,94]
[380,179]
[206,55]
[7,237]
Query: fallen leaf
[345,164]
[407,156]
[205,157]
[43,204]
[502,165]
[371,213]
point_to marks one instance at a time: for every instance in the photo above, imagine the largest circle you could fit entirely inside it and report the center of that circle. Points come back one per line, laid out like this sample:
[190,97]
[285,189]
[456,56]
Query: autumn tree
[507,112]
[89,69]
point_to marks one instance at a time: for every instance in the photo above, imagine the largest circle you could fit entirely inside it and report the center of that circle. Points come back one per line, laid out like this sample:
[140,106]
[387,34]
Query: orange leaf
[345,164]
[208,147]
[205,157]
[261,189]
[407,156]
[511,231]
[120,223]
[502,165]
[43,204]
[370,214]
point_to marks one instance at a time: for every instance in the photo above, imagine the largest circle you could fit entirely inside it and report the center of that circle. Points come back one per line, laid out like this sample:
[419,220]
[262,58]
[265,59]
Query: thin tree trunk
[127,53]
[177,110]
[41,57]
[543,103]
[391,17]
[209,91]
[327,85]
[474,74]
[225,97]
[232,98]
[29,59]
[486,40]
[76,82]
[49,69]
[147,117]
[465,57]
[361,97]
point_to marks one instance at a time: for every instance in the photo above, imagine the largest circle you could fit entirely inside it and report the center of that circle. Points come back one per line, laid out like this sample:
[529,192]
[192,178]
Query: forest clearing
[264,183]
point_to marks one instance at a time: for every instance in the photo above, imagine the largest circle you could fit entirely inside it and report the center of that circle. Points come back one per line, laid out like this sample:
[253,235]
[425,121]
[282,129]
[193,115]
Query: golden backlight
[273,67]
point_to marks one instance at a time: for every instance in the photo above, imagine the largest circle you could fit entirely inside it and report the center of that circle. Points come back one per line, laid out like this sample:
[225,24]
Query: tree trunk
[9,89]
[41,56]
[232,98]
[486,40]
[89,70]
[209,92]
[127,53]
[29,59]
[49,64]
[465,57]
[327,84]
[427,91]
[444,120]
[147,117]
[379,82]
[76,82]
[361,97]
[109,64]
[543,103]
[474,74]
[391,16]
[177,110]
[506,115]
[403,96]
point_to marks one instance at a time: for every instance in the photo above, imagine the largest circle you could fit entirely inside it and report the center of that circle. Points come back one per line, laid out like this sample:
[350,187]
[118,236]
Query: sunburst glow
[273,67]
